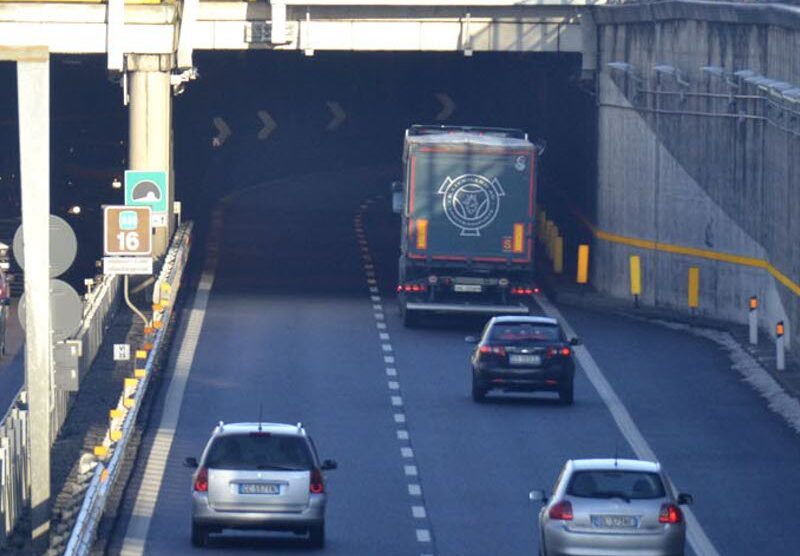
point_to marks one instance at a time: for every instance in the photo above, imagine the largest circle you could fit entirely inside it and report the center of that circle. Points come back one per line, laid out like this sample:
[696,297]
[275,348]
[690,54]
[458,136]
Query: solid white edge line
[146,498]
[696,536]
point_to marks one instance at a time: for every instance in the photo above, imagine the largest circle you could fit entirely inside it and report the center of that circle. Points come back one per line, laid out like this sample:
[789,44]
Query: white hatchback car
[263,476]
[612,507]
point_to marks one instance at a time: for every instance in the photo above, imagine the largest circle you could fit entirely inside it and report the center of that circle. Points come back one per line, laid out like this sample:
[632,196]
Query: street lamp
[666,69]
[627,69]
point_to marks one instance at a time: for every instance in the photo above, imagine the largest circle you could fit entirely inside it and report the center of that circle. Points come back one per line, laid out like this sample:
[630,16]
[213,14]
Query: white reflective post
[753,320]
[780,355]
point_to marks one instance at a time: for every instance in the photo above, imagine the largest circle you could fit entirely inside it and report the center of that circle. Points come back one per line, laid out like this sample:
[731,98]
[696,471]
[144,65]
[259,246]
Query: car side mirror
[471,340]
[397,197]
[191,463]
[575,342]
[329,465]
[685,499]
[538,495]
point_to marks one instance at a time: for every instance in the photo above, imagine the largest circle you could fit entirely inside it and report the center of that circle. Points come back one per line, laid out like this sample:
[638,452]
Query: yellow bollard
[558,260]
[694,287]
[583,264]
[636,278]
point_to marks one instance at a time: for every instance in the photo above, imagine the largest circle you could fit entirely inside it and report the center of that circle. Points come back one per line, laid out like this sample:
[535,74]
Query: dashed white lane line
[418,511]
[697,537]
[423,535]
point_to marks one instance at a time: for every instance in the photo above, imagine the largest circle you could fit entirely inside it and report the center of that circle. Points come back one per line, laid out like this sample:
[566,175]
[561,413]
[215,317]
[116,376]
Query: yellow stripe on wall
[793,286]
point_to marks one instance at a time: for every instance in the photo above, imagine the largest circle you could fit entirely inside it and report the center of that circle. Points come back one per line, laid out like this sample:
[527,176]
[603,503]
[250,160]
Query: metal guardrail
[106,472]
[14,474]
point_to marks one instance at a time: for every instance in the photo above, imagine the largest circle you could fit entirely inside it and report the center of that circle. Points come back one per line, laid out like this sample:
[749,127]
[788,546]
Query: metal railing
[14,474]
[107,470]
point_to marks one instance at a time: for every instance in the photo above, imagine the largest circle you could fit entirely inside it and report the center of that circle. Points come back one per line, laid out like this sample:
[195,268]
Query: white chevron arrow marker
[223,132]
[448,107]
[339,115]
[269,125]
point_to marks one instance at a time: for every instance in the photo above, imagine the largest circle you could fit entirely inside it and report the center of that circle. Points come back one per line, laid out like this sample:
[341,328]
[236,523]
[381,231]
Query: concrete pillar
[150,127]
[33,90]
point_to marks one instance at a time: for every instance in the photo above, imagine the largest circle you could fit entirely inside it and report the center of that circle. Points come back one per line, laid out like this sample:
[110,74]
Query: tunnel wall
[700,169]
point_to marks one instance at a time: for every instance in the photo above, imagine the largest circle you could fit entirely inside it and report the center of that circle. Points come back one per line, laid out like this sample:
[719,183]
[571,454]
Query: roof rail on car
[508,132]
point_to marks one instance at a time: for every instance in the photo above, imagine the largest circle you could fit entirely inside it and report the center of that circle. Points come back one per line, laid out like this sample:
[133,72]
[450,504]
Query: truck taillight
[409,288]
[522,291]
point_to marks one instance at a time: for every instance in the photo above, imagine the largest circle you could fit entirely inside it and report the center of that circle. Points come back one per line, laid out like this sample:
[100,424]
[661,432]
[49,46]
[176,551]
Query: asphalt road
[292,327]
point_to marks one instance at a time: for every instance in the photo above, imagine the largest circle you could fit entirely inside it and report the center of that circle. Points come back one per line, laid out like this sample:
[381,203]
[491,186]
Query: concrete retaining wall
[708,166]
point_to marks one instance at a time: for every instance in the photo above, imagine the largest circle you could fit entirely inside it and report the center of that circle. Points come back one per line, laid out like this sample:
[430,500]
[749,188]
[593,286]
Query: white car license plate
[468,288]
[259,488]
[615,521]
[524,359]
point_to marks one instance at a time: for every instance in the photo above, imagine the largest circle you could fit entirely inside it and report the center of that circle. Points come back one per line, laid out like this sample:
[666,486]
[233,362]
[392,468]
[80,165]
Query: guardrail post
[583,264]
[694,287]
[636,279]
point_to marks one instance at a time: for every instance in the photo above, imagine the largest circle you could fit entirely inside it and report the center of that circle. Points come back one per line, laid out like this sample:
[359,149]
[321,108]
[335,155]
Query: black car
[523,354]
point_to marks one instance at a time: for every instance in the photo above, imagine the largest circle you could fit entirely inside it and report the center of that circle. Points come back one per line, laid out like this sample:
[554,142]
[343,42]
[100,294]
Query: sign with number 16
[126,231]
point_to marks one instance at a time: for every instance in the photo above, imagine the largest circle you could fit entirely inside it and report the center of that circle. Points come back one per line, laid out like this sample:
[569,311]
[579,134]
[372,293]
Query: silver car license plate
[524,359]
[468,288]
[615,521]
[259,488]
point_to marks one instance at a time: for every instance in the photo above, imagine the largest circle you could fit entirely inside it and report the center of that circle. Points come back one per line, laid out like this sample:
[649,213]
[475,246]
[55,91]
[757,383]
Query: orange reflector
[147,346]
[115,436]
[779,330]
[129,402]
[156,306]
[104,476]
[157,324]
[519,238]
[115,414]
[140,373]
[100,451]
[422,233]
[753,303]
[131,383]
[148,329]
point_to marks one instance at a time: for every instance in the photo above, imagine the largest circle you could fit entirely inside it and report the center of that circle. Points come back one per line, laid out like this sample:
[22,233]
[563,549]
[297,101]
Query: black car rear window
[524,332]
[259,451]
[628,485]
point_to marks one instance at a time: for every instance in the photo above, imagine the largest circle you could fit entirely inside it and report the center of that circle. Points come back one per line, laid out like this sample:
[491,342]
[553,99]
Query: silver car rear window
[524,332]
[259,451]
[629,485]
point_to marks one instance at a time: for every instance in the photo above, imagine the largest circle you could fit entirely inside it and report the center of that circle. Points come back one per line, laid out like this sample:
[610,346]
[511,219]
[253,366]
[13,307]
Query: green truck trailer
[467,206]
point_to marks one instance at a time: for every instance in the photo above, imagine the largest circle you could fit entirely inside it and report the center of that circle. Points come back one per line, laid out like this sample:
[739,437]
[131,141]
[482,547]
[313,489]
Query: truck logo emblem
[519,164]
[471,202]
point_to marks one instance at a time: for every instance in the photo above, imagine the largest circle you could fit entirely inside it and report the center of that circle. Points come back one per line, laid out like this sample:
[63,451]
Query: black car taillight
[317,485]
[553,351]
[201,480]
[492,350]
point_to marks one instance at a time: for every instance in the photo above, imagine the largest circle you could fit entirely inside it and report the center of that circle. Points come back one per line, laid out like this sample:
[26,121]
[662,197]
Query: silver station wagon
[263,476]
[611,507]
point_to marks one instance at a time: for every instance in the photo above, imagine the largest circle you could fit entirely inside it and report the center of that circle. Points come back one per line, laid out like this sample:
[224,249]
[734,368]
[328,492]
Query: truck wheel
[410,318]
